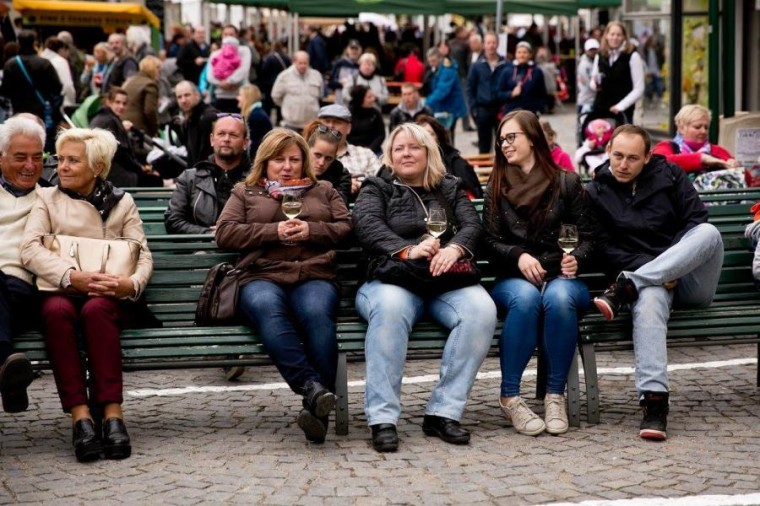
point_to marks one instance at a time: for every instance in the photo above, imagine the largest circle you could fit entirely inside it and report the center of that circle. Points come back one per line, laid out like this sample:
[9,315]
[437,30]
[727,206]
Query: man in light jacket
[297,91]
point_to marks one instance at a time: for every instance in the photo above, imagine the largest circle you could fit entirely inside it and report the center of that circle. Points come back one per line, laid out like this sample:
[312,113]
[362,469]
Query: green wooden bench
[181,263]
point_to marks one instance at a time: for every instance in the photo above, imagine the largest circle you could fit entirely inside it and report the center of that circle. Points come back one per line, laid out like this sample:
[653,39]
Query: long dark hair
[530,125]
[441,133]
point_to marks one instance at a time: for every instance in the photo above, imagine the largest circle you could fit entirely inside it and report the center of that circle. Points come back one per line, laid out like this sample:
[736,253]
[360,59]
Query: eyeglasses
[232,115]
[324,129]
[510,138]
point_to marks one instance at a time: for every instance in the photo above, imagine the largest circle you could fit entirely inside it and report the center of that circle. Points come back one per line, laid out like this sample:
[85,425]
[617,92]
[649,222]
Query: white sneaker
[522,418]
[555,414]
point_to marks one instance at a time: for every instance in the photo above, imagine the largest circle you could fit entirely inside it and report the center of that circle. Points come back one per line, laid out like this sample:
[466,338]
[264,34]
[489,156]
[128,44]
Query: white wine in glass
[568,241]
[436,223]
[291,205]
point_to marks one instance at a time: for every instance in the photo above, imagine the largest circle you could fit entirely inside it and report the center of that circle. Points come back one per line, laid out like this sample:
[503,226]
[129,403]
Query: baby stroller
[595,132]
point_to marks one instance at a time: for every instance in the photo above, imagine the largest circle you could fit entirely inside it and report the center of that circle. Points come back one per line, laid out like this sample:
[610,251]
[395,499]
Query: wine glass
[436,222]
[291,207]
[568,241]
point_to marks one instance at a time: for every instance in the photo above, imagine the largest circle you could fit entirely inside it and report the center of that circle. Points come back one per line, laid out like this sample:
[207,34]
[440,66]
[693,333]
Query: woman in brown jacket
[290,295]
[142,88]
[98,305]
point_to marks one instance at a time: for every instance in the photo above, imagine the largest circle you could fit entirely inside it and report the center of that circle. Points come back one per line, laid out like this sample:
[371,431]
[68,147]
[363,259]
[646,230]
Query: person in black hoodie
[453,161]
[196,122]
[203,190]
[323,145]
[367,126]
[126,169]
[655,239]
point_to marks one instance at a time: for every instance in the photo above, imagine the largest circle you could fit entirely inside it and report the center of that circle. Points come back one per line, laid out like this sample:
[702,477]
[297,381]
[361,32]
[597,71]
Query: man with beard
[202,190]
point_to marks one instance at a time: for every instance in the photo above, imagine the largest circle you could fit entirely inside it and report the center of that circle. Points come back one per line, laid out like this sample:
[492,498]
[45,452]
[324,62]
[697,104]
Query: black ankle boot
[116,444]
[87,444]
[384,437]
[313,427]
[318,399]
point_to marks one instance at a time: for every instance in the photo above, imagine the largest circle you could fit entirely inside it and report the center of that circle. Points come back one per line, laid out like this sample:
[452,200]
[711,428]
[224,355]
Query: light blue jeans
[391,312]
[694,261]
[553,316]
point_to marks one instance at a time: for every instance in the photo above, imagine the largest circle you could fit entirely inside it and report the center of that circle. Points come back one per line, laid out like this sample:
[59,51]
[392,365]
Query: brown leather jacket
[249,223]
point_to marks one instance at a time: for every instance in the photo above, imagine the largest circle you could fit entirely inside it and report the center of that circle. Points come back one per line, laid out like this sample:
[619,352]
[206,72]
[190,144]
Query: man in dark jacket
[193,55]
[410,107]
[317,50]
[45,80]
[482,85]
[124,64]
[655,237]
[202,190]
[275,62]
[197,121]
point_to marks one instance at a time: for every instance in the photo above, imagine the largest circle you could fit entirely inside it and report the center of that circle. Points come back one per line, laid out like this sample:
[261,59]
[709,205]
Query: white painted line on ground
[694,500]
[428,378]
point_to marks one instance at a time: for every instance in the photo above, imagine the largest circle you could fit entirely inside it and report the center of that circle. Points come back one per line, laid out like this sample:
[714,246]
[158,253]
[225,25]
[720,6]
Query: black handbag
[217,303]
[414,275]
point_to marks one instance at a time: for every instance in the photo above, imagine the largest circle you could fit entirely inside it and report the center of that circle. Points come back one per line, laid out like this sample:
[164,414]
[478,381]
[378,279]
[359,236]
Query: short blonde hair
[273,144]
[690,113]
[99,146]
[368,57]
[434,170]
[151,65]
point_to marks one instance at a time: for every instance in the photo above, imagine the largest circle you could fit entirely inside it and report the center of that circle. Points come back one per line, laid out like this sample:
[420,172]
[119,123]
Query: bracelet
[405,252]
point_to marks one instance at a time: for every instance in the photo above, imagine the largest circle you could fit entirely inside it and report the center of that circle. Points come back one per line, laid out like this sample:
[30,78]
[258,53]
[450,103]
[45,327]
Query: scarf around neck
[296,187]
[690,147]
[526,191]
[103,197]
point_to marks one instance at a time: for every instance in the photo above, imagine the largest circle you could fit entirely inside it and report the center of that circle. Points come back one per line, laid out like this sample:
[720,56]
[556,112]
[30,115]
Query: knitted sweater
[13,214]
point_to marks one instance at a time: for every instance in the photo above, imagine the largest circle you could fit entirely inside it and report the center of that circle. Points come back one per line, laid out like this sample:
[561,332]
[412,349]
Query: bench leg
[341,392]
[758,364]
[592,382]
[573,394]
[541,376]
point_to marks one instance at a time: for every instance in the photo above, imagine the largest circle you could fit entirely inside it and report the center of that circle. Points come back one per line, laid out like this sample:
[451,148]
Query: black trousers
[486,121]
[19,310]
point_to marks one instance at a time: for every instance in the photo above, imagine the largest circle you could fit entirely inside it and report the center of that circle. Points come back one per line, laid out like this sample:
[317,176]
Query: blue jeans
[391,312]
[694,261]
[283,315]
[553,316]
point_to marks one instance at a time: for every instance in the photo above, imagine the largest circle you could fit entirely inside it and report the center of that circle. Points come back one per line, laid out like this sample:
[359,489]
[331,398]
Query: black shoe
[16,375]
[318,399]
[87,445]
[445,428]
[384,437]
[116,444]
[313,427]
[655,422]
[622,291]
[468,128]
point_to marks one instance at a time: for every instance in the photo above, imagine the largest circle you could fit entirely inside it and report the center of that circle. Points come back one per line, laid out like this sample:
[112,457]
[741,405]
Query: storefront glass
[653,36]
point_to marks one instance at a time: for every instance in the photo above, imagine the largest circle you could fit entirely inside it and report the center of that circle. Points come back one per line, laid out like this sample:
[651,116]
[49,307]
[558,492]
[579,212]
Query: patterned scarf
[275,189]
[103,197]
[691,147]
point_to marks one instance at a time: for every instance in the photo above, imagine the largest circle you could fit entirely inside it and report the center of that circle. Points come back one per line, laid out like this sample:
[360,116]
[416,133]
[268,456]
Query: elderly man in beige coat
[297,91]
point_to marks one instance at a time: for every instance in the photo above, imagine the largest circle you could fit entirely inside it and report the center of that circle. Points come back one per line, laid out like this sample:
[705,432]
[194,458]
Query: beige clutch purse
[113,256]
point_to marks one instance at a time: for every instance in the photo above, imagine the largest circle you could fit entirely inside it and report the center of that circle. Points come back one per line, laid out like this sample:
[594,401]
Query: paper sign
[747,148]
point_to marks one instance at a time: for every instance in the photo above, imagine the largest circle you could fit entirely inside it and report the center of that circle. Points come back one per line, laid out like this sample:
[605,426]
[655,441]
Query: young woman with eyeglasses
[527,200]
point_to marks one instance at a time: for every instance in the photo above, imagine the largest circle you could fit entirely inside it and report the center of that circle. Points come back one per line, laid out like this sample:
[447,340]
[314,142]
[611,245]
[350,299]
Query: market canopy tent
[352,8]
[81,13]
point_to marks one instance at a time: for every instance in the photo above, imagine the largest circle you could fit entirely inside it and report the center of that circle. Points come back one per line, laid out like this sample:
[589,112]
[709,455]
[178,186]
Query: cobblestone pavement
[242,446]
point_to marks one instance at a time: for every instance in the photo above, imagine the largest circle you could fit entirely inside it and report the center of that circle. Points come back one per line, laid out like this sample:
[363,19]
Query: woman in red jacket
[690,148]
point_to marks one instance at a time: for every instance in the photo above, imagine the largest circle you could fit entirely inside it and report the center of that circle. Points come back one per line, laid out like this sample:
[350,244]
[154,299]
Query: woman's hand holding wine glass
[568,241]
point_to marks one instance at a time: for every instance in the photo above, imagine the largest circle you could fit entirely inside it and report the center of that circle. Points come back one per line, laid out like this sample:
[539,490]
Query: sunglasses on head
[509,138]
[324,129]
[232,115]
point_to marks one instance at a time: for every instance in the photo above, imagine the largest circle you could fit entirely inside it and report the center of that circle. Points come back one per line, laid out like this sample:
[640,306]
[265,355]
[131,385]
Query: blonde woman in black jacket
[390,218]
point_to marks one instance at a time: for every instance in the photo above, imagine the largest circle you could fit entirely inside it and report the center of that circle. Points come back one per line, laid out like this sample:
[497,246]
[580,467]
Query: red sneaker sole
[655,435]
[605,309]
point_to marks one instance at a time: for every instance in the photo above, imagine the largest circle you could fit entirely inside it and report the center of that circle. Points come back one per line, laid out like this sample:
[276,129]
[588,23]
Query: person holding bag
[528,200]
[97,304]
[393,220]
[287,225]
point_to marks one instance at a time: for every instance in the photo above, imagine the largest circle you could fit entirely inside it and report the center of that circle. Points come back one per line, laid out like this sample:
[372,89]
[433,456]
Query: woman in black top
[367,126]
[618,73]
[453,161]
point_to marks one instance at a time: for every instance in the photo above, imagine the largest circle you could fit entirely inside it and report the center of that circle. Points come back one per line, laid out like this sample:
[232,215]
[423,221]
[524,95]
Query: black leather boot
[384,437]
[87,444]
[116,444]
[318,399]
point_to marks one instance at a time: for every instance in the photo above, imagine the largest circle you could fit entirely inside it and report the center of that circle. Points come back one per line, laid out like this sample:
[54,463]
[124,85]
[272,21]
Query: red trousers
[99,320]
